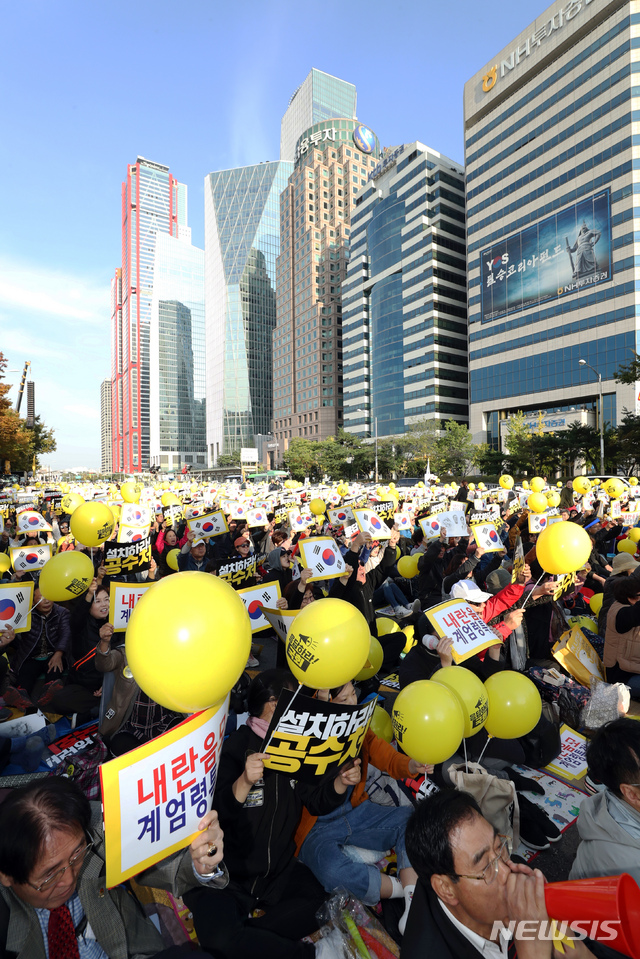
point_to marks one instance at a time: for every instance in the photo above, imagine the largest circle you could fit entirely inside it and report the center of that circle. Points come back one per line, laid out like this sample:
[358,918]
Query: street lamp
[375,441]
[599,375]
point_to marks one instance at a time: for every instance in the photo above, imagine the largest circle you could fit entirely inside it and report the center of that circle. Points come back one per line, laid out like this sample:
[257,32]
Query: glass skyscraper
[177,420]
[153,202]
[319,97]
[242,241]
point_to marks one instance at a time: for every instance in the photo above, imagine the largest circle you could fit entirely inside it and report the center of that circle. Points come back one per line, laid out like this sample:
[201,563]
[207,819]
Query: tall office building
[153,202]
[333,161]
[404,330]
[177,349]
[319,97]
[242,241]
[550,157]
[105,427]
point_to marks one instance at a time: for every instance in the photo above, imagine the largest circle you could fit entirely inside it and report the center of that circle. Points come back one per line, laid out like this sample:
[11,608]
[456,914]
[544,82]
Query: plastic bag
[607,702]
[352,932]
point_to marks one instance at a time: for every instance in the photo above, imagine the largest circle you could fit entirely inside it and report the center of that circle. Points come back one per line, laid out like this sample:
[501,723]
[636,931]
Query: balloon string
[531,593]
[34,606]
[484,748]
[466,758]
[266,748]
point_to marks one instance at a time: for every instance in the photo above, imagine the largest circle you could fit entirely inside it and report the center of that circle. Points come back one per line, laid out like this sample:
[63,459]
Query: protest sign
[298,522]
[154,796]
[563,584]
[122,601]
[310,739]
[537,522]
[132,534]
[369,522]
[322,555]
[385,509]
[486,537]
[462,624]
[16,600]
[403,521]
[615,509]
[341,517]
[453,521]
[575,653]
[518,560]
[257,516]
[31,522]
[171,514]
[211,524]
[237,510]
[280,619]
[572,761]
[238,570]
[127,558]
[254,598]
[27,558]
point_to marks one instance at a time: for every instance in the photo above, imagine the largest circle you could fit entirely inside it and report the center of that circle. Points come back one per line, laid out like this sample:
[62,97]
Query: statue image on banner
[585,261]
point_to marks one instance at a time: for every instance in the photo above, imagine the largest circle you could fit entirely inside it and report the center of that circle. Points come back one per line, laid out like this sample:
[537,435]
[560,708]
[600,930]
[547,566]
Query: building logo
[489,79]
[364,139]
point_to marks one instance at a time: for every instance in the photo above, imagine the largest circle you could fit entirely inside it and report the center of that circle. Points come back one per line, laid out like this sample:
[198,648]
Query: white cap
[197,542]
[467,589]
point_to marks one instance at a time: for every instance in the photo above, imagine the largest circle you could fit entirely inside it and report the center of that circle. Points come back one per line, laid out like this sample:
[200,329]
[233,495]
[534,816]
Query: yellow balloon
[381,724]
[471,486]
[317,507]
[374,660]
[584,622]
[130,492]
[506,481]
[70,502]
[65,576]
[172,559]
[386,626]
[5,563]
[553,499]
[537,502]
[481,486]
[559,484]
[408,566]
[581,485]
[595,603]
[428,721]
[627,546]
[633,481]
[392,485]
[514,703]
[420,485]
[525,484]
[537,484]
[174,655]
[411,639]
[116,511]
[614,488]
[92,524]
[634,534]
[327,644]
[471,694]
[563,548]
[169,499]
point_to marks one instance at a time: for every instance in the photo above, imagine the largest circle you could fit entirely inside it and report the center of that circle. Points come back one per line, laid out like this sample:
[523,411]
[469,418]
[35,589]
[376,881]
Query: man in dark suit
[468,886]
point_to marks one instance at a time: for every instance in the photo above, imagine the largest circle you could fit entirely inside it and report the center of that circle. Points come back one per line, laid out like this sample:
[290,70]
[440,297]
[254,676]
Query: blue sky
[200,86]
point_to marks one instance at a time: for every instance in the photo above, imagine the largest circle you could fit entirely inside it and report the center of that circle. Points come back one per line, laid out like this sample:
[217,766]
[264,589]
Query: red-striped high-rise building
[152,202]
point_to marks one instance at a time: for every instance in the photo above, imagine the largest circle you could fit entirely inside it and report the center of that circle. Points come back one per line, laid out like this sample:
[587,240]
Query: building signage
[312,140]
[364,139]
[386,162]
[532,43]
[558,256]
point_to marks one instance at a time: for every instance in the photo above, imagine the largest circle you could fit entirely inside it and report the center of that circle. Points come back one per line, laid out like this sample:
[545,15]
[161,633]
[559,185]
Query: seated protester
[622,637]
[111,662]
[428,583]
[459,567]
[466,884]
[360,822]
[82,686]
[38,654]
[622,565]
[146,719]
[424,658]
[54,901]
[239,567]
[359,587]
[259,811]
[609,821]
[193,555]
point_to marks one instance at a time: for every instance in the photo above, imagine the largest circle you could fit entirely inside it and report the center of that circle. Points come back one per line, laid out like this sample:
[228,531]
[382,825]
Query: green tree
[629,372]
[303,458]
[454,449]
[227,460]
[20,446]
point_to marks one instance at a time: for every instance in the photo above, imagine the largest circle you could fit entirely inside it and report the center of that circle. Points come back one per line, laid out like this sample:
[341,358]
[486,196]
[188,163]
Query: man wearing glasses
[54,903]
[466,883]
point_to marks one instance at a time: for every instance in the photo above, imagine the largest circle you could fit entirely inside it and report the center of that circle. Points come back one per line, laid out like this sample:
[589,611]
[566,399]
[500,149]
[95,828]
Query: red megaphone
[606,908]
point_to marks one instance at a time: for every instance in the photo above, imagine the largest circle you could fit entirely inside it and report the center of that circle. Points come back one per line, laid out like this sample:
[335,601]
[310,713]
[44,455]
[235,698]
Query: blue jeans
[390,594]
[368,825]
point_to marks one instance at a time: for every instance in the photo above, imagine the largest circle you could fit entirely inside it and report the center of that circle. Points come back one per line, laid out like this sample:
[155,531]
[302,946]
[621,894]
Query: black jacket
[259,842]
[428,583]
[360,595]
[430,933]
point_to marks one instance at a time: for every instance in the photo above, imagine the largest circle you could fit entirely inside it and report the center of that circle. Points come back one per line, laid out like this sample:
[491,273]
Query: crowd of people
[281,847]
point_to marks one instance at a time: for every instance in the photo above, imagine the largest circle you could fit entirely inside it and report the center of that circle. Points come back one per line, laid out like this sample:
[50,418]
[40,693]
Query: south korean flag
[211,524]
[322,555]
[31,522]
[298,522]
[131,514]
[370,522]
[16,602]
[28,558]
[254,598]
[280,619]
[132,534]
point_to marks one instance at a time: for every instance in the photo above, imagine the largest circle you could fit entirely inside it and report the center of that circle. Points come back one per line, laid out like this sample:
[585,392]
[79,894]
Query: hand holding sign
[207,849]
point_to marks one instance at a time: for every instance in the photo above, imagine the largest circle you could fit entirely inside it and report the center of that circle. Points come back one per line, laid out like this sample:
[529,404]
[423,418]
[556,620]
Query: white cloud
[86,412]
[30,288]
